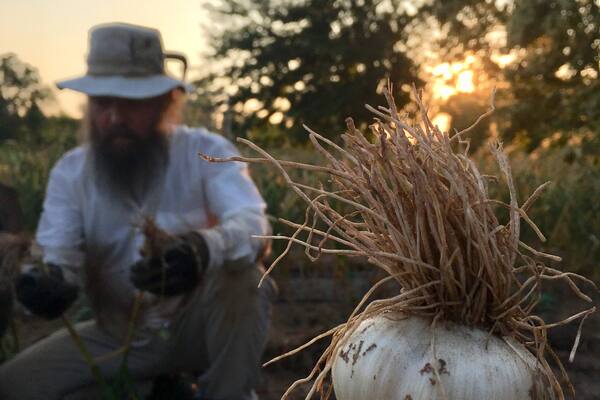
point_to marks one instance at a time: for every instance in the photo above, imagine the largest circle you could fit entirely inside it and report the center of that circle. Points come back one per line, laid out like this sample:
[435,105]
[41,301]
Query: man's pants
[222,334]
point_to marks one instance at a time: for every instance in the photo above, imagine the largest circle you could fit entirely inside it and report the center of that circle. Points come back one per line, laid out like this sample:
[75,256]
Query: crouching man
[200,309]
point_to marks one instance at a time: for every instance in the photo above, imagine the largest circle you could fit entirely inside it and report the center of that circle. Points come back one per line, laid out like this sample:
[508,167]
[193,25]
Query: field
[271,68]
[316,297]
[313,297]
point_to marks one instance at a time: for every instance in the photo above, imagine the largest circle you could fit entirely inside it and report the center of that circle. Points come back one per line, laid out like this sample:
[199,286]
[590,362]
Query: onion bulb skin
[389,357]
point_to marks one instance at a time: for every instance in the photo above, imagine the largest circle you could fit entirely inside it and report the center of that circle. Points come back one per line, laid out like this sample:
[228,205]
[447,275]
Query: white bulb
[390,357]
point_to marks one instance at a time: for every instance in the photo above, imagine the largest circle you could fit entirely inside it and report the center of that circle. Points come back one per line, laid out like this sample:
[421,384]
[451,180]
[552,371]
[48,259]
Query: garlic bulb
[389,357]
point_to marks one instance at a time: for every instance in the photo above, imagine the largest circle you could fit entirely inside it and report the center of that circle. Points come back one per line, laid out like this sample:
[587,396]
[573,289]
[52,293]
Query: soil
[296,320]
[313,299]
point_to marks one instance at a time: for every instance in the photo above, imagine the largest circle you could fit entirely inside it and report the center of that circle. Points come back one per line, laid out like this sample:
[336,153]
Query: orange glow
[503,59]
[443,71]
[443,91]
[464,82]
[57,49]
[449,79]
[442,121]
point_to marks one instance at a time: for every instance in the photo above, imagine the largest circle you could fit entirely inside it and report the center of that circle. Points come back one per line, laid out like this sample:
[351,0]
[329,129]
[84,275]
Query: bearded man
[199,307]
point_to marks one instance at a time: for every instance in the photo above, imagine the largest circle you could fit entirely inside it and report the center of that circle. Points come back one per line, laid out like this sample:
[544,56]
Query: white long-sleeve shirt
[82,224]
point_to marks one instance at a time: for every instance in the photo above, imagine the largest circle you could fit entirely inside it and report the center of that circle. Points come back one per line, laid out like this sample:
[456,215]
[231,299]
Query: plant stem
[87,357]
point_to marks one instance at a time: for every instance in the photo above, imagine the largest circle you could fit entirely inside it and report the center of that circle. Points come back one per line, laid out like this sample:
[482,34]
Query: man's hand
[177,270]
[44,292]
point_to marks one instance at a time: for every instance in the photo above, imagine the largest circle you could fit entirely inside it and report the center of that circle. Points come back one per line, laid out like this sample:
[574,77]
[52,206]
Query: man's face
[119,123]
[129,148]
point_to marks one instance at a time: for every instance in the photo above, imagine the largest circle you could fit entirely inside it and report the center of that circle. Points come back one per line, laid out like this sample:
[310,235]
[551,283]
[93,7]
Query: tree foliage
[21,95]
[321,59]
[553,85]
[30,142]
[324,59]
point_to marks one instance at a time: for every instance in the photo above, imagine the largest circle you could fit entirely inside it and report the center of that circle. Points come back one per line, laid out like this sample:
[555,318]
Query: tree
[553,84]
[37,141]
[556,86]
[21,95]
[312,62]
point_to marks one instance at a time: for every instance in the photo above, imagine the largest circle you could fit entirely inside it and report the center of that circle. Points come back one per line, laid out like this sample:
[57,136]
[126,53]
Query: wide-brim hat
[126,61]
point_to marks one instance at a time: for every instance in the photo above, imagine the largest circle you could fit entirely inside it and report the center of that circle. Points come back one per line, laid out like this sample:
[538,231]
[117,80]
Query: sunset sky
[52,35]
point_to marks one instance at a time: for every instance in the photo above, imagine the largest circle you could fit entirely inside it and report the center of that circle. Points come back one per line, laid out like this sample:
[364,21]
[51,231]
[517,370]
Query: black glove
[178,270]
[44,292]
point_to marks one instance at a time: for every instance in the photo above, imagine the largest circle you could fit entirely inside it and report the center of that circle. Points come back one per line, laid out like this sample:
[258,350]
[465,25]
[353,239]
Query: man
[200,309]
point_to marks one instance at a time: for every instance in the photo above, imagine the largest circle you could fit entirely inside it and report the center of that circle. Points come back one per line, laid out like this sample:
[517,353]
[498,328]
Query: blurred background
[261,69]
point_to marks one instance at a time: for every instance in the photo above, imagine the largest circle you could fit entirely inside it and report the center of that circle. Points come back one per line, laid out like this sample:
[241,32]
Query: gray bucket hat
[126,61]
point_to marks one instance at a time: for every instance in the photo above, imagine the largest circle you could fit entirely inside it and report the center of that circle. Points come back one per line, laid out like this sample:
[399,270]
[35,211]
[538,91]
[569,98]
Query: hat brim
[126,87]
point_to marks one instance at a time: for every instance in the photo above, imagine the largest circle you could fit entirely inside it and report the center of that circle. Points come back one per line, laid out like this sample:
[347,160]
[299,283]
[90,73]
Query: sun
[443,121]
[448,79]
[464,82]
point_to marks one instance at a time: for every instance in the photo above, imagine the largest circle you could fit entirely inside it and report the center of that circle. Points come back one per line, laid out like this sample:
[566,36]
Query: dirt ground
[584,372]
[314,299]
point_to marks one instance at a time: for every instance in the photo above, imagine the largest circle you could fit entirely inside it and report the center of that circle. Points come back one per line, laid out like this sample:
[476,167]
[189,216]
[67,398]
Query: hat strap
[179,57]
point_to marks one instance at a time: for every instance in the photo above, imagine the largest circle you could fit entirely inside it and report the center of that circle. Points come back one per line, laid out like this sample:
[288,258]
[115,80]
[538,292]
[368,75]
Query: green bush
[568,212]
[26,162]
[282,201]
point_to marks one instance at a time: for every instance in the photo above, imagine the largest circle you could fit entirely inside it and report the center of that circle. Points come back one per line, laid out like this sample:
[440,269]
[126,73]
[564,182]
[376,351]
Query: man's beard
[128,166]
